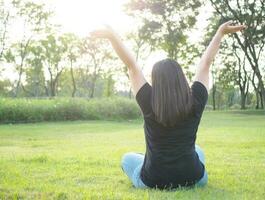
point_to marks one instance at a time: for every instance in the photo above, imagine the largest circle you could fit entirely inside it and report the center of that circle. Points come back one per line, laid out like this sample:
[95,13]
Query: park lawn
[81,160]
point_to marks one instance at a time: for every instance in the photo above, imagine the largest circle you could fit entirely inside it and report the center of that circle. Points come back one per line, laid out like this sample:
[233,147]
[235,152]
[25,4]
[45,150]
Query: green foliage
[166,23]
[235,107]
[36,15]
[34,110]
[4,87]
[35,78]
[109,86]
[4,21]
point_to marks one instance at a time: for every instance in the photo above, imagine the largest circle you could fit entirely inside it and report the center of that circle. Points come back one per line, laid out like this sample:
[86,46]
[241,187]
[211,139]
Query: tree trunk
[244,92]
[92,90]
[73,80]
[93,86]
[53,89]
[19,80]
[261,100]
[261,90]
[256,89]
[46,85]
[257,100]
[243,100]
[109,86]
[214,96]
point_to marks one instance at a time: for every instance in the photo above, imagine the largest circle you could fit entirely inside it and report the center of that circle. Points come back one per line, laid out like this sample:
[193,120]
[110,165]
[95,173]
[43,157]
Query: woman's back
[170,158]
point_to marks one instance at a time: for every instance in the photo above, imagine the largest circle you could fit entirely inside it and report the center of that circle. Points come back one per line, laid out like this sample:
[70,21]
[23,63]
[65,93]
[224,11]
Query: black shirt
[170,159]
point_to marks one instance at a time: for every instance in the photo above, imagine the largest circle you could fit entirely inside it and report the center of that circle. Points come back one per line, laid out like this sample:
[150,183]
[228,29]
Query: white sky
[82,16]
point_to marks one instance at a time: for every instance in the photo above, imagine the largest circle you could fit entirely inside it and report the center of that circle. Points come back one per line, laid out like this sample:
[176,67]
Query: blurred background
[46,53]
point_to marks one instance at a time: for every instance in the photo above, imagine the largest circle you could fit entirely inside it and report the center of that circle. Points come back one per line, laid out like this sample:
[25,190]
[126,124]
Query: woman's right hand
[227,28]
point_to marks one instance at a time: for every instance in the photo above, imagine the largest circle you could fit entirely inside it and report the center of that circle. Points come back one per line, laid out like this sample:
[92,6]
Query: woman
[172,111]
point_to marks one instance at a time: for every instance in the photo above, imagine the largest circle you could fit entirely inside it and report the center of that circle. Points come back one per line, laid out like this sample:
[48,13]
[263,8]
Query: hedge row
[59,109]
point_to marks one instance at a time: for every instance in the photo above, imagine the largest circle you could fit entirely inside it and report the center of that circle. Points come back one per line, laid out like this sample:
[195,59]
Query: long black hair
[171,94]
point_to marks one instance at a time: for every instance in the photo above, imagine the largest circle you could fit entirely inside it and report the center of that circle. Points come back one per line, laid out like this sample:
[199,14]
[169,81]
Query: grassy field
[81,160]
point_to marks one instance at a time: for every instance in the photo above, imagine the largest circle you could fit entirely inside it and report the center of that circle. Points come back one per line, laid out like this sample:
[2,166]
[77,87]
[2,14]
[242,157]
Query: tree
[17,54]
[97,53]
[4,20]
[166,24]
[252,42]
[235,71]
[5,87]
[73,52]
[35,79]
[35,20]
[54,53]
[109,85]
[242,79]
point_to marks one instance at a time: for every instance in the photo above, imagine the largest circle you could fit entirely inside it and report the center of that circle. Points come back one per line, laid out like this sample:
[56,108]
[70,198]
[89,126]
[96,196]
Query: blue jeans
[132,164]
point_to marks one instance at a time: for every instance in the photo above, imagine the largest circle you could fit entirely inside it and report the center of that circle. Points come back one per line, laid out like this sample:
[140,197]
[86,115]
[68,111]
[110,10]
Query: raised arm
[135,73]
[202,72]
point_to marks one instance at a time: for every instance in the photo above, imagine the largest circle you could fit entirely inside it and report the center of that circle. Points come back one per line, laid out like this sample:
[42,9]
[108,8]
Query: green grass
[81,160]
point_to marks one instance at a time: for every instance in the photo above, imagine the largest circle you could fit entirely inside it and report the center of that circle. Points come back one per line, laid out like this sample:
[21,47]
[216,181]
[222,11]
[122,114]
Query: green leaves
[166,23]
[9,57]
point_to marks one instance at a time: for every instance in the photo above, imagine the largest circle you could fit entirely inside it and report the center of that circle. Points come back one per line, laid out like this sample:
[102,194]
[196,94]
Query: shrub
[235,107]
[58,109]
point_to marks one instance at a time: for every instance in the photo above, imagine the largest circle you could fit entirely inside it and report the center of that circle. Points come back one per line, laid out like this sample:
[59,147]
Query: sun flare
[81,16]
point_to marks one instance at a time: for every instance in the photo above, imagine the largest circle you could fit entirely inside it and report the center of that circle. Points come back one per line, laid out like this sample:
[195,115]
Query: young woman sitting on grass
[172,111]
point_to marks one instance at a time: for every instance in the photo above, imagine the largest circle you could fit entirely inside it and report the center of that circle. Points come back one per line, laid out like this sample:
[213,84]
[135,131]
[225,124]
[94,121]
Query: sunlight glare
[81,16]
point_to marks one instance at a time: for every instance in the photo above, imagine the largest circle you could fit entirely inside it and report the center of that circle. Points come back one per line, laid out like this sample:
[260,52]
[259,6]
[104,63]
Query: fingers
[238,28]
[230,24]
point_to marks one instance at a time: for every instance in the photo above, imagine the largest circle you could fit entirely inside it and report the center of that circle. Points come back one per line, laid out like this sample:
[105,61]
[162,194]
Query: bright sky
[82,16]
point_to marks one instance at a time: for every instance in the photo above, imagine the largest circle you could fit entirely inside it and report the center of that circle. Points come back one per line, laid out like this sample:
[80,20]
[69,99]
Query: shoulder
[198,88]
[144,97]
[200,95]
[146,88]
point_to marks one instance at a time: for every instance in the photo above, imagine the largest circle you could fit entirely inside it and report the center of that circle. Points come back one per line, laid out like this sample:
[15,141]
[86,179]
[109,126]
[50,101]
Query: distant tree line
[48,63]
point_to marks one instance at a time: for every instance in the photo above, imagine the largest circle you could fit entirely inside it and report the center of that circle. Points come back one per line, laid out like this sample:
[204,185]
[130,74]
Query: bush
[58,109]
[235,107]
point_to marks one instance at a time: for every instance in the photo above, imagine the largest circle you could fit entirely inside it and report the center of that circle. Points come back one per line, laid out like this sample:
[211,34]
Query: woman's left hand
[228,27]
[105,32]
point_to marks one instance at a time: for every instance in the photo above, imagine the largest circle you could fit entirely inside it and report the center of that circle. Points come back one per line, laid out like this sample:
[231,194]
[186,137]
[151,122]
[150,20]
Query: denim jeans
[132,164]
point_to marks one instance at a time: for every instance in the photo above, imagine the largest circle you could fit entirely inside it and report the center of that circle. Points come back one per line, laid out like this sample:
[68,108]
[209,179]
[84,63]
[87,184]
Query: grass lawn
[81,160]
